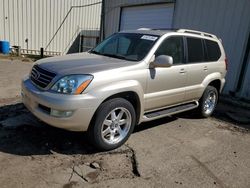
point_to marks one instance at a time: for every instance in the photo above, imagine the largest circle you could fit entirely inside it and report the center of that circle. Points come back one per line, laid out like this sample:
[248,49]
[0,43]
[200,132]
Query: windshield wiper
[94,52]
[113,55]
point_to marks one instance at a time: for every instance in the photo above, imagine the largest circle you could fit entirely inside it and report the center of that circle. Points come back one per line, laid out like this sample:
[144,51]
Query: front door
[166,86]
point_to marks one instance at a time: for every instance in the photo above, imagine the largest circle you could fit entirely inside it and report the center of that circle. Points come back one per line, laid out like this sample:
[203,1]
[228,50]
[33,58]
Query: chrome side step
[169,111]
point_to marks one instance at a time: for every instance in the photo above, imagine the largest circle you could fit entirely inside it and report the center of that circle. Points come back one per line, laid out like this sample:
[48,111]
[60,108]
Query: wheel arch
[217,84]
[131,96]
[216,80]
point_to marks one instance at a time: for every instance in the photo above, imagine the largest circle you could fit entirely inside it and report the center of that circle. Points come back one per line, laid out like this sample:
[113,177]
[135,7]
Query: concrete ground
[178,151]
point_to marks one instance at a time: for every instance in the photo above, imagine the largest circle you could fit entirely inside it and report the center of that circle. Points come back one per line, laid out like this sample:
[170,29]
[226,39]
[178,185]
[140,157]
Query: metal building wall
[38,21]
[228,19]
[113,10]
[245,91]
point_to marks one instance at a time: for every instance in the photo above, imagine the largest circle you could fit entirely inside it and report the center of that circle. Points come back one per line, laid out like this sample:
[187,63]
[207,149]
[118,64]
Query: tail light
[226,63]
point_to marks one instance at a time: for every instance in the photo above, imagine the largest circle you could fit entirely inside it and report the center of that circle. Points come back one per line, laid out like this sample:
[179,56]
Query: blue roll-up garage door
[147,16]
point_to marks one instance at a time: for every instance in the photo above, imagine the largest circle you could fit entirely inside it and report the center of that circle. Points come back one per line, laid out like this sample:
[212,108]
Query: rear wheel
[208,101]
[114,122]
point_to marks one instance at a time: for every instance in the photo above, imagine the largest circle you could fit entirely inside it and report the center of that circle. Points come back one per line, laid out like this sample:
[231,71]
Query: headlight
[72,84]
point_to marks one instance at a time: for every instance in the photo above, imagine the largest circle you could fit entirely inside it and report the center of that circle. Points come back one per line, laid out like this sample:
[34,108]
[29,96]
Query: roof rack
[182,31]
[197,33]
[160,29]
[144,28]
[167,29]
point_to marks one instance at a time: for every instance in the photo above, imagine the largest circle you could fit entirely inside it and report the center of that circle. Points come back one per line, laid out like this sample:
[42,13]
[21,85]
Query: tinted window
[172,47]
[213,50]
[195,50]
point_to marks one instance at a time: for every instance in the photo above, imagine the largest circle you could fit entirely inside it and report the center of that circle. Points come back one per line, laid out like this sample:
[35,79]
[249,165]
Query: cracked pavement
[178,151]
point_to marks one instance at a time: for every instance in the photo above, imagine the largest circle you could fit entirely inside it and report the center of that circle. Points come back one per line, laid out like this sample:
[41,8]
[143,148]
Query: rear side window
[213,50]
[195,50]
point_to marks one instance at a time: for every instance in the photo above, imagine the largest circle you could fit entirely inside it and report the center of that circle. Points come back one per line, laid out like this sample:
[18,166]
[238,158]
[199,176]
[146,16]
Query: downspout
[102,24]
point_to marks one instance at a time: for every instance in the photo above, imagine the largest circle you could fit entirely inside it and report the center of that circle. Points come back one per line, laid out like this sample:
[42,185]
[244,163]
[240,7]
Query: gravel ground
[11,74]
[179,151]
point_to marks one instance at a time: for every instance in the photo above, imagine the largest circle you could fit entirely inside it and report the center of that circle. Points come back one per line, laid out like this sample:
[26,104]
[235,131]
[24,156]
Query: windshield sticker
[148,37]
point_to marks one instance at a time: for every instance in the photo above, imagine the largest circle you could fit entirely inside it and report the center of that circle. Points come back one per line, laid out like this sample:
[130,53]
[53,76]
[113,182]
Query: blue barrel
[4,47]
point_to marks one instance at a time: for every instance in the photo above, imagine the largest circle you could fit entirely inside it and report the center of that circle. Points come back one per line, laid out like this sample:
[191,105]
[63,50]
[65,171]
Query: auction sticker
[149,37]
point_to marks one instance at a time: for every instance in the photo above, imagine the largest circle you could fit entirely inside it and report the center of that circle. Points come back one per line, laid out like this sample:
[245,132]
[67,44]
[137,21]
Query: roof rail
[197,33]
[166,29]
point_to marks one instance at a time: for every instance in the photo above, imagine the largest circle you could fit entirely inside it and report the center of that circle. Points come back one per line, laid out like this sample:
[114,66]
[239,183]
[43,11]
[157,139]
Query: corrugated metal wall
[245,92]
[38,20]
[228,19]
[113,9]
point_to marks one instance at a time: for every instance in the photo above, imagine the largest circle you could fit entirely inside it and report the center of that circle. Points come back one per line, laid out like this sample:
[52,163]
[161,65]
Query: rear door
[199,65]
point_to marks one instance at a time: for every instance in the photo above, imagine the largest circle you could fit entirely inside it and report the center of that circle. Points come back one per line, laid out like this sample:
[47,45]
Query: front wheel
[114,122]
[208,101]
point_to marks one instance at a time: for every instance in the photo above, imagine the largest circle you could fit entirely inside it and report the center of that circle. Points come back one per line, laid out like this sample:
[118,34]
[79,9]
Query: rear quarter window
[213,50]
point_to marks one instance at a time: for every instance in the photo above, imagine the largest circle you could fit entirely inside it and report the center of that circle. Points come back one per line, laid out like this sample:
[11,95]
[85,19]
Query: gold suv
[129,78]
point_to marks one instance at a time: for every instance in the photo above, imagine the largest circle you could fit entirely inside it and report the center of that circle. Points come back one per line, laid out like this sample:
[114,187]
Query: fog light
[59,113]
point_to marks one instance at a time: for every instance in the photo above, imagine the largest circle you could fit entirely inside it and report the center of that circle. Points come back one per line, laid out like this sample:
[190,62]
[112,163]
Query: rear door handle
[205,68]
[182,71]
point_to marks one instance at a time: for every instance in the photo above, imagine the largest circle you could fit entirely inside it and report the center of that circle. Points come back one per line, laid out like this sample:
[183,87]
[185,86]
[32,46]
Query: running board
[169,111]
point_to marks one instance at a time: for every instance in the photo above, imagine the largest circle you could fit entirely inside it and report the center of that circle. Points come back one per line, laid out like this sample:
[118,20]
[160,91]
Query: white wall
[38,21]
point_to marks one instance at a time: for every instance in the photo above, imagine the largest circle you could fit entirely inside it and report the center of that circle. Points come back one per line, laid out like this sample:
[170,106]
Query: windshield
[128,46]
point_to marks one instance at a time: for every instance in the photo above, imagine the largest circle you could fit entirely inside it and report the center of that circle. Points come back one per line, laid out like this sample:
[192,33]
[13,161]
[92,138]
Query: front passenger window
[173,47]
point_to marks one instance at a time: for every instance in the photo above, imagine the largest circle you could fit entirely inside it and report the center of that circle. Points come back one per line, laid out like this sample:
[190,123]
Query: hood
[81,63]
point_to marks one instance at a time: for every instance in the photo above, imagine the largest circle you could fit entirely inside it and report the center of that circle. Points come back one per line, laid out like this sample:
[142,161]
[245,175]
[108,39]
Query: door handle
[182,71]
[205,68]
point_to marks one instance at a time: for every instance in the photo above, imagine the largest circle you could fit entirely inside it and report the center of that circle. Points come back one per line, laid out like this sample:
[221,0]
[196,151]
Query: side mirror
[163,61]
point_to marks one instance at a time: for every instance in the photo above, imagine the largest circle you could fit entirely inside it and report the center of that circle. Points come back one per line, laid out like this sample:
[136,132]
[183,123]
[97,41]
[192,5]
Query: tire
[208,102]
[113,123]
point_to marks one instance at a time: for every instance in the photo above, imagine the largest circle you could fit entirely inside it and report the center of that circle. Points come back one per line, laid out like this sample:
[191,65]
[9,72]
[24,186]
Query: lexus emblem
[36,75]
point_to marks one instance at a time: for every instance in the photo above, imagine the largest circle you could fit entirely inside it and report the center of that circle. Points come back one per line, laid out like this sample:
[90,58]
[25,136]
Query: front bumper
[83,107]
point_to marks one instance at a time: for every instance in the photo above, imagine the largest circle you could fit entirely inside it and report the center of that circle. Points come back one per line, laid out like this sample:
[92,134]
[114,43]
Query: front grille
[41,77]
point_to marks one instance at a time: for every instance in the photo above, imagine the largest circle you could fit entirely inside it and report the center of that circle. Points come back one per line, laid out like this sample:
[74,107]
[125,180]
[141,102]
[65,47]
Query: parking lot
[178,151]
